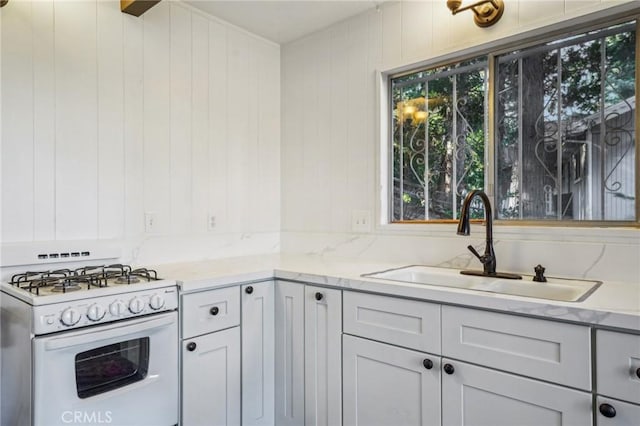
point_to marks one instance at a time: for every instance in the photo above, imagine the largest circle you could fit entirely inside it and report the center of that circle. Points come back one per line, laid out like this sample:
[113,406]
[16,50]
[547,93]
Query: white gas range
[89,345]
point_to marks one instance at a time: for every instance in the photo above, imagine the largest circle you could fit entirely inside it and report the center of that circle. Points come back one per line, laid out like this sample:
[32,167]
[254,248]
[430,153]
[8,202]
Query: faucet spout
[488,258]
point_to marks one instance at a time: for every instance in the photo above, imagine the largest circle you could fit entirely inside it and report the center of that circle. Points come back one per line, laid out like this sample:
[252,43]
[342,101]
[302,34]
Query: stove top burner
[87,277]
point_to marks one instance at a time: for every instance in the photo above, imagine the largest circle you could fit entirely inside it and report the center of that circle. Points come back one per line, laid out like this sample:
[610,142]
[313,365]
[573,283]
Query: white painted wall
[330,144]
[108,116]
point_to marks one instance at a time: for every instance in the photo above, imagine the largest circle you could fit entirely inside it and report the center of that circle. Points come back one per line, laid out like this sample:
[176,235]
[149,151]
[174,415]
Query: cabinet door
[323,356]
[482,397]
[618,365]
[211,379]
[258,306]
[388,385]
[624,414]
[289,367]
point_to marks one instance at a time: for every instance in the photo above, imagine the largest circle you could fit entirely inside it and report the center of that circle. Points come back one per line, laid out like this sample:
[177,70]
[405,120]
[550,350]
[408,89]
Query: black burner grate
[66,280]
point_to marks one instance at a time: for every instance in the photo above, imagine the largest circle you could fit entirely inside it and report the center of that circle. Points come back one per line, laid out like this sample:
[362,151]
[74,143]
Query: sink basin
[559,289]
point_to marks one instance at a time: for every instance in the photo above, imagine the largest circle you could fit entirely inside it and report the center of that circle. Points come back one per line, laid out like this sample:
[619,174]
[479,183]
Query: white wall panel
[107,116]
[110,121]
[133,75]
[218,117]
[268,158]
[181,97]
[17,123]
[76,120]
[44,125]
[157,116]
[239,142]
[199,123]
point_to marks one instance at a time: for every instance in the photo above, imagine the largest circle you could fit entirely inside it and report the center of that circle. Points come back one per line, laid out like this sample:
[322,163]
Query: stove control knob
[117,308]
[156,302]
[95,312]
[136,305]
[70,317]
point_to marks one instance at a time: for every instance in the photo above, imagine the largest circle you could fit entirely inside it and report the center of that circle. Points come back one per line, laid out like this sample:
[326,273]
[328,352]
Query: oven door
[119,374]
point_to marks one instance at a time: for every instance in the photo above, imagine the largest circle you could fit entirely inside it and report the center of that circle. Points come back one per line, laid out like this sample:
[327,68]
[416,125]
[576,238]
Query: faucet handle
[475,253]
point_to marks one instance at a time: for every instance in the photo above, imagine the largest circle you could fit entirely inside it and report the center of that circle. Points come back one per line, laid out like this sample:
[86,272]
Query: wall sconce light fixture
[486,12]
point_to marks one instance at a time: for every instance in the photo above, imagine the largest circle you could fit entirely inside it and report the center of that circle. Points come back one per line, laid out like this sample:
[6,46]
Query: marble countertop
[613,304]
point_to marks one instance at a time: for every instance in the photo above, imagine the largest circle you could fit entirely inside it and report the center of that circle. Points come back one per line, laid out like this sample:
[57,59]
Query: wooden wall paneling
[76,121]
[110,48]
[218,112]
[43,122]
[133,122]
[238,99]
[292,166]
[360,147]
[157,115]
[249,200]
[416,28]
[323,117]
[268,191]
[312,168]
[199,123]
[181,97]
[17,121]
[392,33]
[340,119]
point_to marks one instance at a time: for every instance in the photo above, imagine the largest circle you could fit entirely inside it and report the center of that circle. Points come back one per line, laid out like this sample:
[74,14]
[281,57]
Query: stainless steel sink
[560,289]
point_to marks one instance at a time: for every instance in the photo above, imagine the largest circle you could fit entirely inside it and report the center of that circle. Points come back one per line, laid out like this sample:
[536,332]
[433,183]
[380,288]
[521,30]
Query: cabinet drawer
[625,414]
[618,365]
[401,322]
[547,350]
[209,311]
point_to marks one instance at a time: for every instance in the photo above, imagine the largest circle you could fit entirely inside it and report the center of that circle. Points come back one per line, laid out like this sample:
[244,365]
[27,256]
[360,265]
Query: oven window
[110,367]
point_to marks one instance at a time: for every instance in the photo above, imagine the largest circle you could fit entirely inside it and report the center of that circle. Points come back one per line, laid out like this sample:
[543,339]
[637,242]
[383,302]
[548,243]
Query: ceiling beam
[137,7]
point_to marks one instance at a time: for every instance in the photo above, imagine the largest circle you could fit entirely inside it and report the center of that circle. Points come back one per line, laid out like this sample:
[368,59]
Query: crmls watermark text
[84,417]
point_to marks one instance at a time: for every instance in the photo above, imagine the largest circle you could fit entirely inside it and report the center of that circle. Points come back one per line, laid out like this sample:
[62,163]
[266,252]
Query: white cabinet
[211,358]
[385,384]
[409,323]
[546,350]
[618,378]
[618,365]
[323,356]
[308,329]
[258,309]
[480,396]
[612,412]
[388,385]
[289,366]
[211,379]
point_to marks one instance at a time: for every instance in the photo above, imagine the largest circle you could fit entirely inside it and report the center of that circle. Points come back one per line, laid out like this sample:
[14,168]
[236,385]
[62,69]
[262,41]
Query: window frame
[492,51]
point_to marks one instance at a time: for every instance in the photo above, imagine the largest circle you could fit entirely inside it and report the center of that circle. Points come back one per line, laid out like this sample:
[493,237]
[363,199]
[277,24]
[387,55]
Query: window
[563,134]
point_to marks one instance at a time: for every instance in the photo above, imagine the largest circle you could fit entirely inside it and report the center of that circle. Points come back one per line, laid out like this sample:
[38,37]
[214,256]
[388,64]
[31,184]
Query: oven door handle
[116,330]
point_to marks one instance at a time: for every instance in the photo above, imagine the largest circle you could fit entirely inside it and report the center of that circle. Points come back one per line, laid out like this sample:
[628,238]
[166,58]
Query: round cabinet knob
[214,310]
[117,308]
[248,290]
[448,368]
[136,305]
[319,296]
[191,346]
[95,312]
[638,372]
[428,364]
[156,302]
[607,410]
[70,317]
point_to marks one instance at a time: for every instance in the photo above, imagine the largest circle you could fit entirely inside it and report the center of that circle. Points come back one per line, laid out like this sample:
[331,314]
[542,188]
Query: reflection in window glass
[565,129]
[438,124]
